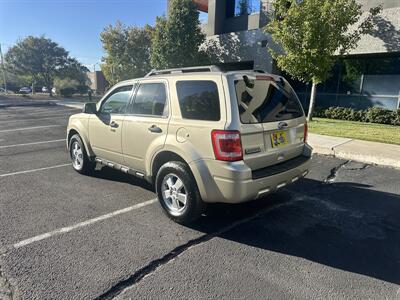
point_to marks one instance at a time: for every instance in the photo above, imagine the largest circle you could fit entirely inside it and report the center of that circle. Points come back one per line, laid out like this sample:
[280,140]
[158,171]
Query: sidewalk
[351,149]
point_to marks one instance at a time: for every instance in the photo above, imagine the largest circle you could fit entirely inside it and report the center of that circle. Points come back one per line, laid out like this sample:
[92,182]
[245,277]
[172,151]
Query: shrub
[396,118]
[358,115]
[379,115]
[66,87]
[372,115]
[339,113]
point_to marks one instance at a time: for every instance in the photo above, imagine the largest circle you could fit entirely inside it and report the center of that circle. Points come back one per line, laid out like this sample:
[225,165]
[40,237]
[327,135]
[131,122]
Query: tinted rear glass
[263,101]
[198,100]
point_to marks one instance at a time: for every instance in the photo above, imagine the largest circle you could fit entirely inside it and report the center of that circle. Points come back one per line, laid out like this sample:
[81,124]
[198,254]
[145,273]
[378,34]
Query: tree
[74,70]
[178,37]
[37,57]
[66,86]
[312,33]
[127,51]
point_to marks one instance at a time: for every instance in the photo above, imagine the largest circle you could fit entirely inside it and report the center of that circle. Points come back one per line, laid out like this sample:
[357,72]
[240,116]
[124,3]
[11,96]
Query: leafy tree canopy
[312,32]
[37,57]
[178,37]
[74,69]
[127,51]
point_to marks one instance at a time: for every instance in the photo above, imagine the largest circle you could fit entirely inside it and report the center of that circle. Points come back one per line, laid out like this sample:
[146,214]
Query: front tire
[178,194]
[79,158]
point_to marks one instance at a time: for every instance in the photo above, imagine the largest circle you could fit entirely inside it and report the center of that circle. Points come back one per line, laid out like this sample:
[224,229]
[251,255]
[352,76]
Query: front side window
[150,99]
[117,102]
[199,100]
[266,100]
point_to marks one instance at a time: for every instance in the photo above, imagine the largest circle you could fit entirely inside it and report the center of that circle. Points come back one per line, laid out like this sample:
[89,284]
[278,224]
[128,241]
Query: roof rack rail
[211,68]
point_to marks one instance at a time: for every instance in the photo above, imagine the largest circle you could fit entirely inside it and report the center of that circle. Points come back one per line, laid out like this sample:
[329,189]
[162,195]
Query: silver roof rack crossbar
[212,68]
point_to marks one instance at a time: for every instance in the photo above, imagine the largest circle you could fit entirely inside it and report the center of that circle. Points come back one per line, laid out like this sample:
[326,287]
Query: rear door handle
[113,124]
[155,129]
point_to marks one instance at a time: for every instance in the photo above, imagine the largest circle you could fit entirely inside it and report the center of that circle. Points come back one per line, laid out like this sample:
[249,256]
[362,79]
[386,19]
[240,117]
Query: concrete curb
[351,149]
[71,103]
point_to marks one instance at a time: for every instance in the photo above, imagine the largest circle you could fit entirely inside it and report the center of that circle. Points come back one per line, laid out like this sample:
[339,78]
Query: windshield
[266,100]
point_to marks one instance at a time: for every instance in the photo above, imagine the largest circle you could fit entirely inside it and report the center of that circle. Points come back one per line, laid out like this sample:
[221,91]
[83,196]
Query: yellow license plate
[279,139]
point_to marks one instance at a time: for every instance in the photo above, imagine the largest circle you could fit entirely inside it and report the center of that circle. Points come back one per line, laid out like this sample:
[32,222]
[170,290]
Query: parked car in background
[45,90]
[198,134]
[25,90]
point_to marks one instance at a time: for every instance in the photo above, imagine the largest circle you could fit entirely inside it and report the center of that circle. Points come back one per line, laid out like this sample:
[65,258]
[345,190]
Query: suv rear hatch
[272,121]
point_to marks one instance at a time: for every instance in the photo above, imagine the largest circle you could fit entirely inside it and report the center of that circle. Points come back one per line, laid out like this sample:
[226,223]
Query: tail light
[227,145]
[305,132]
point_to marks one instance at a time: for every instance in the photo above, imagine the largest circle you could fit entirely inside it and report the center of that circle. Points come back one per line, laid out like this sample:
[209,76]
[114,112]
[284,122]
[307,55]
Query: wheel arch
[74,130]
[161,158]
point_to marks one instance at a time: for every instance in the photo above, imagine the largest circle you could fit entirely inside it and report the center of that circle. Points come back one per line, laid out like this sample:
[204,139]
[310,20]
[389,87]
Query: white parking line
[82,224]
[30,128]
[29,144]
[34,119]
[38,112]
[34,170]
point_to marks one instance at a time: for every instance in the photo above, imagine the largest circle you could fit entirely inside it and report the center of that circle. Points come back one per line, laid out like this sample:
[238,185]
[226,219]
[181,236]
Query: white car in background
[25,90]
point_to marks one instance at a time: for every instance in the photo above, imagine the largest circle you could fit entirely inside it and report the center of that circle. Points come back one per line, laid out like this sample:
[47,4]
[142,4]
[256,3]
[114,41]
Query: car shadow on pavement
[346,226]
[343,225]
[106,173]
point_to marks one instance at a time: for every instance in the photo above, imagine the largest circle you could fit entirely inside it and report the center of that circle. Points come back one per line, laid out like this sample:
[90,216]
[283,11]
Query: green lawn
[356,130]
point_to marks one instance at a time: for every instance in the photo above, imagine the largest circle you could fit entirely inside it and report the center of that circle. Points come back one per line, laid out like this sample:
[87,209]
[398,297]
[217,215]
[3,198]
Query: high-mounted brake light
[227,145]
[264,77]
[305,132]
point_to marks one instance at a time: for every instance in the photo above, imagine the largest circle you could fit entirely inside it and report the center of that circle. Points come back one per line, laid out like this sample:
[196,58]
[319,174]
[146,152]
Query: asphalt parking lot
[332,235]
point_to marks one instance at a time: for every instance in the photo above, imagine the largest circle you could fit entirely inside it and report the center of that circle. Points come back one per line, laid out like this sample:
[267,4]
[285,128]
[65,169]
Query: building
[98,82]
[234,28]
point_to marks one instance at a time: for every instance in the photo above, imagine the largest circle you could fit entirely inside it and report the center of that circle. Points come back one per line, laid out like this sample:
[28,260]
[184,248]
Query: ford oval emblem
[282,125]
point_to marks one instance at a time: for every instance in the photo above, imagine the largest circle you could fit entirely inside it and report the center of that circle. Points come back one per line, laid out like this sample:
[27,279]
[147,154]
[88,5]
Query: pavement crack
[334,172]
[154,265]
[359,168]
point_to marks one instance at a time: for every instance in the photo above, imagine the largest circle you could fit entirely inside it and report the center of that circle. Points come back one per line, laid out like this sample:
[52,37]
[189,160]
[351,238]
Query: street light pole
[94,67]
[4,70]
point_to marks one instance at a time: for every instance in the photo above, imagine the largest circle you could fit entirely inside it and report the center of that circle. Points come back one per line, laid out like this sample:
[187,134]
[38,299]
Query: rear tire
[178,193]
[79,158]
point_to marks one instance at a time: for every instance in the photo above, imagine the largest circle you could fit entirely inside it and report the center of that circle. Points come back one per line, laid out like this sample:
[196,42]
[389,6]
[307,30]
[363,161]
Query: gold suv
[199,135]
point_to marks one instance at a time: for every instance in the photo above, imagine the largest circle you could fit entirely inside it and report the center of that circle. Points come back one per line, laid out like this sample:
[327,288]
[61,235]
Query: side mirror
[89,108]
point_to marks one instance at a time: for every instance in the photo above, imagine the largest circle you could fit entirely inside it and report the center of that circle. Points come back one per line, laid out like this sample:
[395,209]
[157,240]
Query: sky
[74,24]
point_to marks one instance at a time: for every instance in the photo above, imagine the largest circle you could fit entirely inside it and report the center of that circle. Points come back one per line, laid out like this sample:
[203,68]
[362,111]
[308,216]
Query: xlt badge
[252,150]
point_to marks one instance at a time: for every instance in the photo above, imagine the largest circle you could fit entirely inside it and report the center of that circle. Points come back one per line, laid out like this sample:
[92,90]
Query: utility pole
[4,70]
[94,67]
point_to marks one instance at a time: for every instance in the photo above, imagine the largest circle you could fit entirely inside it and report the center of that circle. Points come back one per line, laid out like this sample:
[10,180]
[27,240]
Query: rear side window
[262,101]
[199,100]
[150,99]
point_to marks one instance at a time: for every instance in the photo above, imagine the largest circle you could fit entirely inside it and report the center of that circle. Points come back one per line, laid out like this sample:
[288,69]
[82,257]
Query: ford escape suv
[198,134]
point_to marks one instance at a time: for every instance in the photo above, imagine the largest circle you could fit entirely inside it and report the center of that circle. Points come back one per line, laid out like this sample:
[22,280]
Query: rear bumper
[235,182]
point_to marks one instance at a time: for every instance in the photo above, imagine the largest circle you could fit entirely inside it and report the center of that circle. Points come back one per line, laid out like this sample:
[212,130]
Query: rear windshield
[262,101]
